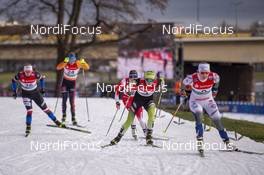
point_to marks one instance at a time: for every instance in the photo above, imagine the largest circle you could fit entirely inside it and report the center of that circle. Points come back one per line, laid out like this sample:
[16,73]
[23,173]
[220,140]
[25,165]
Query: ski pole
[55,108]
[179,121]
[124,109]
[111,122]
[57,100]
[158,104]
[122,114]
[86,100]
[174,114]
[159,113]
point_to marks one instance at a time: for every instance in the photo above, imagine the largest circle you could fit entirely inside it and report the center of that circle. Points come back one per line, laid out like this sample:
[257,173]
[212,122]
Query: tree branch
[97,23]
[52,6]
[60,19]
[73,21]
[6,8]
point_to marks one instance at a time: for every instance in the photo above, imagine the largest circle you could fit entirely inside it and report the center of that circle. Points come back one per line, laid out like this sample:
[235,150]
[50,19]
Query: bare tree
[107,13]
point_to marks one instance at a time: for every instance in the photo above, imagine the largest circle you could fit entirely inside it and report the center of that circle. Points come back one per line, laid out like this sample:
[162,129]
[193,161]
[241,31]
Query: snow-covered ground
[19,155]
[249,117]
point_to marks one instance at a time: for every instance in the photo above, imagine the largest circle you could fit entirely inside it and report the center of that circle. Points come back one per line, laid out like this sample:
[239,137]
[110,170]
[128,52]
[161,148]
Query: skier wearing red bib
[142,96]
[71,67]
[28,80]
[202,88]
[124,86]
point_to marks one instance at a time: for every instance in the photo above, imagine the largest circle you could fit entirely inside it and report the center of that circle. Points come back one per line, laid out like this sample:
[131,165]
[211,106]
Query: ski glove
[117,105]
[82,61]
[66,59]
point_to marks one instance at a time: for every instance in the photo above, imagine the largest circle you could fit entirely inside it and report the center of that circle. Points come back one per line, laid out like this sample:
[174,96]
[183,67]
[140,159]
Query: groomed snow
[18,156]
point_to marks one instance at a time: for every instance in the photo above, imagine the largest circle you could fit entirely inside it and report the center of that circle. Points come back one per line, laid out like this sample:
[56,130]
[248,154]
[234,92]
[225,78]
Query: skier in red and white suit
[125,86]
[203,87]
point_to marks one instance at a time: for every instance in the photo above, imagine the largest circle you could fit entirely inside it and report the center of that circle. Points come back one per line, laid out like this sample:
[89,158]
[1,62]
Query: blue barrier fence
[241,107]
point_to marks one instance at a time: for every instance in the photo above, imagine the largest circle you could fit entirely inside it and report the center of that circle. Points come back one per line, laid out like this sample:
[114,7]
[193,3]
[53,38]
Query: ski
[79,126]
[107,145]
[153,145]
[147,145]
[157,138]
[249,152]
[70,128]
[243,151]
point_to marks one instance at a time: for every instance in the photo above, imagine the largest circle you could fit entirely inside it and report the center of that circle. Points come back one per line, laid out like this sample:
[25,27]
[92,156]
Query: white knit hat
[28,68]
[204,67]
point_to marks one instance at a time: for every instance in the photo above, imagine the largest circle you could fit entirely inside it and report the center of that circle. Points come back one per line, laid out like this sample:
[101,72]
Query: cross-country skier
[142,95]
[202,88]
[71,68]
[28,80]
[123,86]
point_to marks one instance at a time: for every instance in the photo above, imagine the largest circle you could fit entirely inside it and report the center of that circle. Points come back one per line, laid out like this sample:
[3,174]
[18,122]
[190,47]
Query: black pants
[35,95]
[68,88]
[140,101]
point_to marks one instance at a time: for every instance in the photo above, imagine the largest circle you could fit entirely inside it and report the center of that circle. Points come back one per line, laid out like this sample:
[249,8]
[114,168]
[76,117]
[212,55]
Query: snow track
[128,157]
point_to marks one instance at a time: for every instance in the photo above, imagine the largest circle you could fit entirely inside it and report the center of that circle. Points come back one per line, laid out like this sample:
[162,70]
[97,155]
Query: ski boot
[118,137]
[28,129]
[60,124]
[200,145]
[149,137]
[63,118]
[74,122]
[230,146]
[134,132]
